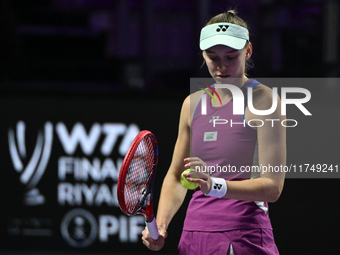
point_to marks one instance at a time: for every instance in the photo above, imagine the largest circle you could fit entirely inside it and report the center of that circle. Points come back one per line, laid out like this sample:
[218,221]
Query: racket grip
[153,229]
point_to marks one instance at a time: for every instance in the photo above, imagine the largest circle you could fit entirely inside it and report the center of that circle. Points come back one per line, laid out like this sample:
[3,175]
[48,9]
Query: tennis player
[228,213]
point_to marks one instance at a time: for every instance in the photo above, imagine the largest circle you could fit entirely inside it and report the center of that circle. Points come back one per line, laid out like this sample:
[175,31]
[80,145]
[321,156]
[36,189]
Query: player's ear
[204,58]
[249,50]
[204,54]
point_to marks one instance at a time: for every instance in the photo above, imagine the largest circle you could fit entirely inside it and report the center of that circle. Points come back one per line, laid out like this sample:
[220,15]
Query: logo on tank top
[210,136]
[214,118]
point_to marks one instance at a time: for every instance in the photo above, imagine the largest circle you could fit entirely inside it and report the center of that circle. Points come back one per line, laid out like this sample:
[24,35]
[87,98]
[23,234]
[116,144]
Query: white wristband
[218,187]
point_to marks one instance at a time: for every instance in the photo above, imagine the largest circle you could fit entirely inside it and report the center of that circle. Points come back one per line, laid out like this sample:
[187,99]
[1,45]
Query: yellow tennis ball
[186,183]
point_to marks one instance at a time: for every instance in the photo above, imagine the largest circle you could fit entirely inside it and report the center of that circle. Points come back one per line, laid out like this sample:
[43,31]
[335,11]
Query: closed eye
[231,57]
[213,58]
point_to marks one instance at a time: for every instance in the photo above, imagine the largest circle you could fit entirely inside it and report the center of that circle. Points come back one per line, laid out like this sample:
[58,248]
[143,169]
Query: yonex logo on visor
[222,27]
[223,33]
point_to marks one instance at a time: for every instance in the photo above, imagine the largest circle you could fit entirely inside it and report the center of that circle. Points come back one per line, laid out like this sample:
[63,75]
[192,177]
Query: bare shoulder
[195,98]
[190,102]
[263,90]
[263,97]
[189,105]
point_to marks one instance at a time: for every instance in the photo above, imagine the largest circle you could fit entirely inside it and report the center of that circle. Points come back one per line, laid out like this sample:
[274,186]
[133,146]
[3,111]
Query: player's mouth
[223,75]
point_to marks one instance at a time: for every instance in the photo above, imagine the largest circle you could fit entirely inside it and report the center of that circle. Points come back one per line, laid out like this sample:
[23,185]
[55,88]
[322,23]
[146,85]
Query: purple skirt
[234,242]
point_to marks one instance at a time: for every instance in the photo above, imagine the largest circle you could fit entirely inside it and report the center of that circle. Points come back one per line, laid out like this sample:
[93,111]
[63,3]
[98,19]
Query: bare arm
[172,193]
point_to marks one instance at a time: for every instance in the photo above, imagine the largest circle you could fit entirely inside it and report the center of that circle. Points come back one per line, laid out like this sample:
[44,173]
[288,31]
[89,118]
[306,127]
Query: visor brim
[230,41]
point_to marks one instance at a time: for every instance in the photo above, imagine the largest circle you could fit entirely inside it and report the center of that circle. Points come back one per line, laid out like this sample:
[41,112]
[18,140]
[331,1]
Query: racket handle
[153,229]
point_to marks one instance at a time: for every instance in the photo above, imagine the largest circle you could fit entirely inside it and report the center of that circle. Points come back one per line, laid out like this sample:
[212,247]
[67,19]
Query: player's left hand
[154,245]
[200,175]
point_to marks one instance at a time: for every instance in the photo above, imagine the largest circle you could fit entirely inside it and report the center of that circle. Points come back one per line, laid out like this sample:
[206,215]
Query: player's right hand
[154,245]
[201,176]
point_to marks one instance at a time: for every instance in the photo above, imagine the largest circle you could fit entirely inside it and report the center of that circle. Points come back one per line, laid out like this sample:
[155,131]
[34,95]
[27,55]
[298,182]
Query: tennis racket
[136,179]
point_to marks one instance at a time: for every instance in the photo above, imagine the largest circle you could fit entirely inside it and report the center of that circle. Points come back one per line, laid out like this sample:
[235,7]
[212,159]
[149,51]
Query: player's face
[224,62]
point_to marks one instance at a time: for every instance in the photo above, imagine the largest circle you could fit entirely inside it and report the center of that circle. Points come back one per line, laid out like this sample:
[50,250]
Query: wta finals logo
[30,174]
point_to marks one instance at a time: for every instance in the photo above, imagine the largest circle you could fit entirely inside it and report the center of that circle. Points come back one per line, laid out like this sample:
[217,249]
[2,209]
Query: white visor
[227,34]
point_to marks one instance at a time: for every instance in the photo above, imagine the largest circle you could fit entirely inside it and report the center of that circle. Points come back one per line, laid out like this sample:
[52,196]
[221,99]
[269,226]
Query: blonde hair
[228,17]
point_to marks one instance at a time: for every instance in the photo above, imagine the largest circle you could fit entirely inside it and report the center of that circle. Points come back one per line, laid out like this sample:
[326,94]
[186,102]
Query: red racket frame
[148,211]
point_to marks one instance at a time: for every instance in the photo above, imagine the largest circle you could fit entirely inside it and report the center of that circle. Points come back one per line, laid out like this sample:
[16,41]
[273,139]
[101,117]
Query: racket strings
[138,175]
